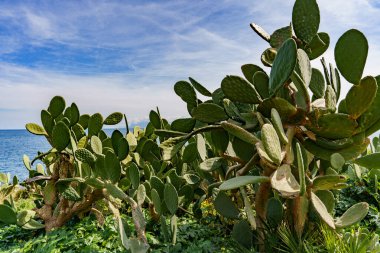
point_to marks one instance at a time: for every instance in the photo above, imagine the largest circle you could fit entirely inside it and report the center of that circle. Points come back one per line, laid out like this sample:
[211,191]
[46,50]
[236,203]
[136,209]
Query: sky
[126,55]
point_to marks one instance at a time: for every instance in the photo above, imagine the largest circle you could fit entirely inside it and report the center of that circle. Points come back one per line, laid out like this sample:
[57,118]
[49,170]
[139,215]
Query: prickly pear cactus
[282,134]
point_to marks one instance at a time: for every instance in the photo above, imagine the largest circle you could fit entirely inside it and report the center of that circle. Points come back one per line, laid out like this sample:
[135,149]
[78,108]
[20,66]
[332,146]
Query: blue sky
[126,55]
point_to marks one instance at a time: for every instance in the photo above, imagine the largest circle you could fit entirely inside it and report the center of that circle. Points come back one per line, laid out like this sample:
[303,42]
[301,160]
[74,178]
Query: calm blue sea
[15,143]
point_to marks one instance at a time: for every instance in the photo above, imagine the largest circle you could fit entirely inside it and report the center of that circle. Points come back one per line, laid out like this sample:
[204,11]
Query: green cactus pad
[237,89]
[322,210]
[24,217]
[260,31]
[156,201]
[277,123]
[74,114]
[133,174]
[95,124]
[334,144]
[200,88]
[184,125]
[249,71]
[212,164]
[158,185]
[359,146]
[328,199]
[284,108]
[35,129]
[71,194]
[60,136]
[268,57]
[328,182]
[371,161]
[284,182]
[95,182]
[239,132]
[305,19]
[351,54]
[242,233]
[7,214]
[271,143]
[113,119]
[191,179]
[171,198]
[83,120]
[330,98]
[262,153]
[209,113]
[186,92]
[57,106]
[115,191]
[237,182]
[332,126]
[155,119]
[220,140]
[224,206]
[301,160]
[33,225]
[361,96]
[49,193]
[317,83]
[122,149]
[85,156]
[47,121]
[190,153]
[279,36]
[96,145]
[303,67]
[112,167]
[337,161]
[261,83]
[353,215]
[275,212]
[371,115]
[283,66]
[318,45]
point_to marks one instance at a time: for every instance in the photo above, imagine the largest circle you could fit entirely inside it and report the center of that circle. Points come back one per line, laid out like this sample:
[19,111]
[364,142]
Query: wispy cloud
[126,55]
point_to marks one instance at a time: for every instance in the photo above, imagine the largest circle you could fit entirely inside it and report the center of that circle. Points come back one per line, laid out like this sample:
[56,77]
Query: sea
[14,144]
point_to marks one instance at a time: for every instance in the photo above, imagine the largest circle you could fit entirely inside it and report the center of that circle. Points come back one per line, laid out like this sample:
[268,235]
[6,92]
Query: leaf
[351,52]
[283,65]
[237,182]
[305,19]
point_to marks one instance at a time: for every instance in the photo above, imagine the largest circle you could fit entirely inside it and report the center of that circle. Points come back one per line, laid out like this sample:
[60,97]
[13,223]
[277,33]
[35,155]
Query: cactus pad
[186,92]
[322,210]
[283,65]
[279,36]
[239,90]
[7,214]
[35,129]
[271,143]
[249,71]
[57,106]
[317,83]
[113,119]
[60,136]
[95,124]
[284,182]
[351,54]
[261,83]
[360,97]
[171,198]
[85,156]
[200,88]
[237,182]
[224,206]
[353,215]
[239,132]
[209,113]
[305,19]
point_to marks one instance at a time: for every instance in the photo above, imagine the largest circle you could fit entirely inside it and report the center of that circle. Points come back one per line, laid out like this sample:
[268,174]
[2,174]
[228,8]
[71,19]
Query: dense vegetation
[268,163]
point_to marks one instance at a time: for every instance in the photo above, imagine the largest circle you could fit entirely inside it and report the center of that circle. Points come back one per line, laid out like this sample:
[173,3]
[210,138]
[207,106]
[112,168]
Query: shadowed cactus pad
[322,210]
[7,214]
[284,182]
[60,136]
[237,182]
